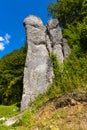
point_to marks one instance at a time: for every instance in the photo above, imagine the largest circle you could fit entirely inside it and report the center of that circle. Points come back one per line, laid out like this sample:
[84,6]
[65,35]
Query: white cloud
[7,38]
[2,47]
[1,39]
[4,40]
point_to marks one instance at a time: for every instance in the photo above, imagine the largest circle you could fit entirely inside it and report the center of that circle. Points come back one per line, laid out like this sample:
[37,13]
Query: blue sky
[12,14]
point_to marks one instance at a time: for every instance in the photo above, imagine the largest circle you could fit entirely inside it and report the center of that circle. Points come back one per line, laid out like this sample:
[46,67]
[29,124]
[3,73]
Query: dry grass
[67,118]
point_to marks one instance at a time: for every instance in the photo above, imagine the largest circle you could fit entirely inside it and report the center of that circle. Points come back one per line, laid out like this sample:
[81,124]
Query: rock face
[41,42]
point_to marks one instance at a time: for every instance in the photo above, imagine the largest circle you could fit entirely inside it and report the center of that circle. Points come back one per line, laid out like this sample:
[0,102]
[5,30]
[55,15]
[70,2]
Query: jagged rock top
[33,21]
[52,23]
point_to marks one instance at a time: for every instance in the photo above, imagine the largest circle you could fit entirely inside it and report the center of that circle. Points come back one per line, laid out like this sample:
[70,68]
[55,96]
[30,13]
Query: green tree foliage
[11,76]
[57,68]
[83,34]
[77,35]
[84,8]
[68,11]
[72,15]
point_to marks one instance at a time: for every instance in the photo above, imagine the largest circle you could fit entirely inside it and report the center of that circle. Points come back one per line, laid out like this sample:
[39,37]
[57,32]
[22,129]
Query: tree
[68,11]
[72,15]
[11,76]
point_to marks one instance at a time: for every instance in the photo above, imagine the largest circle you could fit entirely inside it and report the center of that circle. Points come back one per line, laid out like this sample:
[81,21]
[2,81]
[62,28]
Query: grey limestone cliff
[41,42]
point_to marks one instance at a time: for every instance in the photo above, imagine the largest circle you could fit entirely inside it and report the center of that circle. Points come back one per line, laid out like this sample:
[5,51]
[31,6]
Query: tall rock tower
[41,42]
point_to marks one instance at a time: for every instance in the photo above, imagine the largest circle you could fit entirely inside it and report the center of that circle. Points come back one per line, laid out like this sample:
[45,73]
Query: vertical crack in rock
[38,71]
[55,35]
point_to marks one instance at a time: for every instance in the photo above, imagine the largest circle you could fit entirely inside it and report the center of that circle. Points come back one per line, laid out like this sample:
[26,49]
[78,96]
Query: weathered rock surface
[41,41]
[56,38]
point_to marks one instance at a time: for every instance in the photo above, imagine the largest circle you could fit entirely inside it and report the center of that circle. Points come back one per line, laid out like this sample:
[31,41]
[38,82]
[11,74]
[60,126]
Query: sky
[12,14]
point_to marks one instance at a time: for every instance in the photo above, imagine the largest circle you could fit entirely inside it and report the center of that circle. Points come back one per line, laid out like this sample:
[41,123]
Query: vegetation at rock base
[52,116]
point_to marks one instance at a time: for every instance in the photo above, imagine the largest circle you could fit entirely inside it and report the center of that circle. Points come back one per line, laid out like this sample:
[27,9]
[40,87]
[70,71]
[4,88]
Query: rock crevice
[38,71]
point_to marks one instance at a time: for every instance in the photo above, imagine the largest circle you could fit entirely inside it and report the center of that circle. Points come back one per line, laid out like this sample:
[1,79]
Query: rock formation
[41,42]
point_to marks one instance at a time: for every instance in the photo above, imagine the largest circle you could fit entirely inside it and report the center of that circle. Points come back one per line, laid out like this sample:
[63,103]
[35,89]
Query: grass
[48,117]
[8,111]
[3,127]
[45,116]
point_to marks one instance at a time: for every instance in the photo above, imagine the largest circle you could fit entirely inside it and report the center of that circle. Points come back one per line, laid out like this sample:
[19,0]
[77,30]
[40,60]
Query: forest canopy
[11,76]
[68,11]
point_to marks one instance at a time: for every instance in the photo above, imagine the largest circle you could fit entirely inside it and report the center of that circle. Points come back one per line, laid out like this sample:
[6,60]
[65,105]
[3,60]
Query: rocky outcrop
[41,42]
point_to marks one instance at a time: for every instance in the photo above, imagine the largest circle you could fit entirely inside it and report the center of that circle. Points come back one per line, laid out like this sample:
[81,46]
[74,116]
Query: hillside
[68,112]
[59,114]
